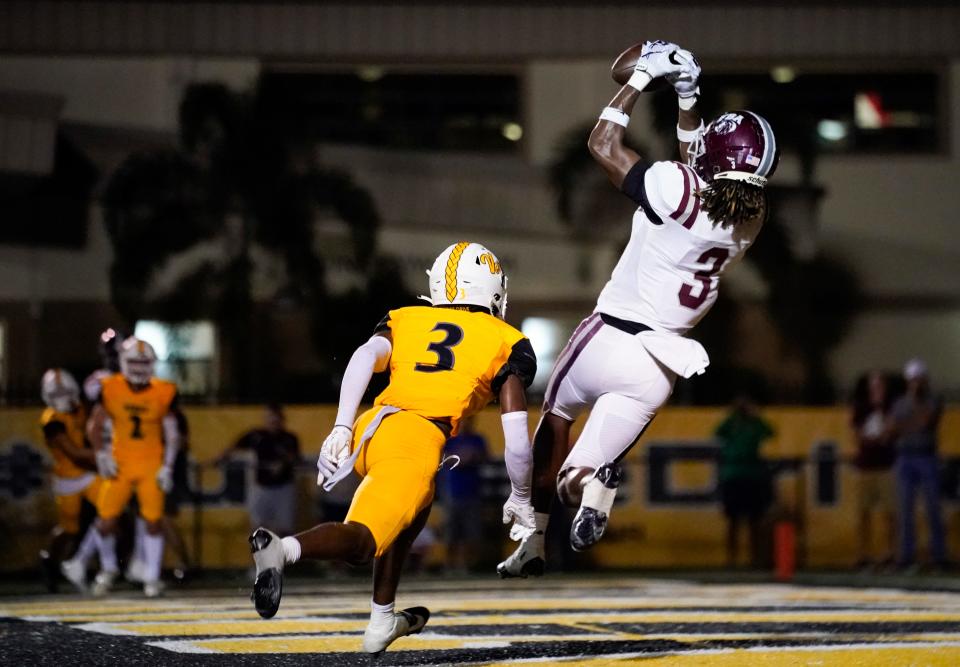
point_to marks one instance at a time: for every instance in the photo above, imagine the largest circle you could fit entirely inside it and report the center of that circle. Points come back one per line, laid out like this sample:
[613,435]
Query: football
[622,69]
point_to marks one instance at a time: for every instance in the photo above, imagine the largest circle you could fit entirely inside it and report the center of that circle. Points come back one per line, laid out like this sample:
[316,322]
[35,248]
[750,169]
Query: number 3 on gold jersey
[445,358]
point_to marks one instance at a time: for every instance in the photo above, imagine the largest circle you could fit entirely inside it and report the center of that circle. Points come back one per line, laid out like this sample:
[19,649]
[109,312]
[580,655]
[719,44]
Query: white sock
[153,556]
[88,547]
[107,546]
[597,496]
[140,532]
[291,549]
[381,614]
[541,519]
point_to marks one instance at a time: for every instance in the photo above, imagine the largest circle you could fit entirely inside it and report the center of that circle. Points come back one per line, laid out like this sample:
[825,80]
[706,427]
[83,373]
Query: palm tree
[194,228]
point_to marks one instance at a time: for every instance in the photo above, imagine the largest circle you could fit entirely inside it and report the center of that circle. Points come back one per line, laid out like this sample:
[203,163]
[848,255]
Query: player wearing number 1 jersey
[695,218]
[446,362]
[145,439]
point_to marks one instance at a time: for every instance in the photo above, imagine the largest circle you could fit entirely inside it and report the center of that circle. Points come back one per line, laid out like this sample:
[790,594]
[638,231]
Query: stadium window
[548,335]
[849,112]
[186,354]
[407,110]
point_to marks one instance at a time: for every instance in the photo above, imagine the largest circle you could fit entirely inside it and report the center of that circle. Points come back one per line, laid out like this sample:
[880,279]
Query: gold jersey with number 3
[137,417]
[448,363]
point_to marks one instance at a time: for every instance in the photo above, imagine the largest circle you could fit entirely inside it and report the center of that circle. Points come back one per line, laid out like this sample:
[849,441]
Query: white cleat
[76,573]
[269,559]
[599,492]
[152,589]
[527,560]
[103,582]
[136,571]
[407,622]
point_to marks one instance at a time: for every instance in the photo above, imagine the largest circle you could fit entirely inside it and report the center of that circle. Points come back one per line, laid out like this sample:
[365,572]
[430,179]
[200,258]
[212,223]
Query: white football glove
[165,478]
[106,464]
[654,60]
[334,451]
[685,82]
[520,513]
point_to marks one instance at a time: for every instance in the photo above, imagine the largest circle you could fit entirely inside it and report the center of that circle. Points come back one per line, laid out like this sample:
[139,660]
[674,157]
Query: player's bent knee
[570,485]
[365,546]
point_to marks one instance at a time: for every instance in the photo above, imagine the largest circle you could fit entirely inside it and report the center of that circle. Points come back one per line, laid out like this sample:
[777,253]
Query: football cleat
[103,582]
[269,560]
[527,560]
[135,571]
[598,495]
[152,589]
[76,573]
[407,622]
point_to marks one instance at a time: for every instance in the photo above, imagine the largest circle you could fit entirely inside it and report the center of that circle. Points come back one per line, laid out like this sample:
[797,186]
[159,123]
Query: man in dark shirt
[745,489]
[873,399]
[272,498]
[915,417]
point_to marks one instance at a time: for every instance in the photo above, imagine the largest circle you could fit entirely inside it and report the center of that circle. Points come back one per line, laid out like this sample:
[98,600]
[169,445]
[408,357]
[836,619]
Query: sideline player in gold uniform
[143,447]
[446,362]
[63,424]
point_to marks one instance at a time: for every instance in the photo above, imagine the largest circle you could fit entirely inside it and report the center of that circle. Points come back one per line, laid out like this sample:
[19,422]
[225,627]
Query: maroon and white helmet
[738,146]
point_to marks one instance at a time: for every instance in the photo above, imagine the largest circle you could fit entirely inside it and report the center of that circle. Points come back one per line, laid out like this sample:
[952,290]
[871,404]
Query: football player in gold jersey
[139,459]
[446,362]
[73,463]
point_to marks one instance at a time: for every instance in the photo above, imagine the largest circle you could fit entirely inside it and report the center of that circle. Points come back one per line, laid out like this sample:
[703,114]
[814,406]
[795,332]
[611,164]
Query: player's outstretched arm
[518,456]
[606,140]
[686,85]
[371,357]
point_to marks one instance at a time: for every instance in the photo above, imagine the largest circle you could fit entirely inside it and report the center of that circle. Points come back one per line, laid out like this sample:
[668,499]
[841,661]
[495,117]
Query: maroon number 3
[715,258]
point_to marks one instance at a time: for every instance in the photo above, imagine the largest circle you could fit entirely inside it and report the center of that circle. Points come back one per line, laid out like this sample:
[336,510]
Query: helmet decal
[452,263]
[727,123]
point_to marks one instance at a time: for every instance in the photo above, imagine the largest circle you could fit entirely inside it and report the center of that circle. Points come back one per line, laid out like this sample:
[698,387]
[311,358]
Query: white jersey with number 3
[668,274]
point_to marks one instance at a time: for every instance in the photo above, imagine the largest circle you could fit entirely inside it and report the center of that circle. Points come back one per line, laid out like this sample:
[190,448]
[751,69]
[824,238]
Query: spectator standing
[745,488]
[914,420]
[463,502]
[273,501]
[874,463]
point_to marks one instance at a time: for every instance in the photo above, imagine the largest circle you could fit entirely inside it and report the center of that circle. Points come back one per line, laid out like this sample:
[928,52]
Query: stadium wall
[667,515]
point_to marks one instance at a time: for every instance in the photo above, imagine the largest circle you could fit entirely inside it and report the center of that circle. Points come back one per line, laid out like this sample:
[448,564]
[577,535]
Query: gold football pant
[398,466]
[138,478]
[69,505]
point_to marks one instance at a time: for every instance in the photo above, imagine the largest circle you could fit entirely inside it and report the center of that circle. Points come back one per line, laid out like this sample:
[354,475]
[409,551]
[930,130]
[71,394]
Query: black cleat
[268,557]
[587,528]
[598,495]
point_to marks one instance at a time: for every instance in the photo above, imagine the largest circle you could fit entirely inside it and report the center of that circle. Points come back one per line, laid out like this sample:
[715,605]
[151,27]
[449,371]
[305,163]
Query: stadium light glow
[512,131]
[832,130]
[783,74]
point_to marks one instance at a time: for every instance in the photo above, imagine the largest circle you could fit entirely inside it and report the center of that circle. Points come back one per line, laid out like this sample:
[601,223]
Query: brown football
[622,69]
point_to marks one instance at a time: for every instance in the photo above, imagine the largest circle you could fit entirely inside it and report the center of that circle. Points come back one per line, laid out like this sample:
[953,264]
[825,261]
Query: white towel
[347,466]
[684,356]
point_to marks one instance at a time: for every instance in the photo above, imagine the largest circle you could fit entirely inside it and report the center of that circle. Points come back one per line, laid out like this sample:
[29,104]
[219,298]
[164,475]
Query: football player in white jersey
[695,218]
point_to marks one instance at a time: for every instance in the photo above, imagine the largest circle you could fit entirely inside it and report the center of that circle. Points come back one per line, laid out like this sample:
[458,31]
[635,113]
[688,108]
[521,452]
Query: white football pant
[609,370]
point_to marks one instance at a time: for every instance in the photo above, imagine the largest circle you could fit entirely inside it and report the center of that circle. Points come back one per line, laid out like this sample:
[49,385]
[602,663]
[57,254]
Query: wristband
[639,80]
[688,136]
[686,103]
[615,116]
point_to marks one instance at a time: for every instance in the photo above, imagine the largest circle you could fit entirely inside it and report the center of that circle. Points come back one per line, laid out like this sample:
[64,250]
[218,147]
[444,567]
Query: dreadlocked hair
[732,203]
